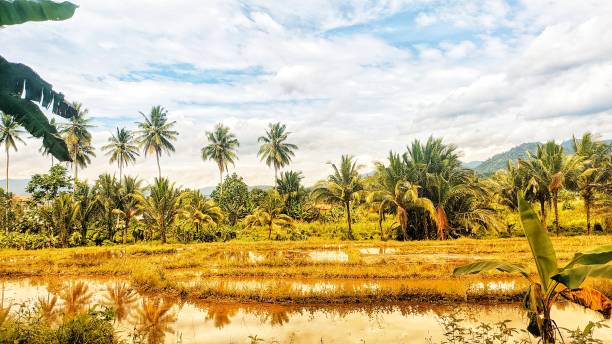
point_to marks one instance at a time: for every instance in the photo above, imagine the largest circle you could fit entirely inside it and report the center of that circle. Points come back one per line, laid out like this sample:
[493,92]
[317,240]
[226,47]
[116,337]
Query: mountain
[499,161]
[472,164]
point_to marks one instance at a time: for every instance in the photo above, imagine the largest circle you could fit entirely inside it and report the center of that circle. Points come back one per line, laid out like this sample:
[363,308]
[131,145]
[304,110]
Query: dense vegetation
[421,193]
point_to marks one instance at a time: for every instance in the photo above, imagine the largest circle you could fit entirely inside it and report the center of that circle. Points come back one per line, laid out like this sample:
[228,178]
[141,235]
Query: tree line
[423,192]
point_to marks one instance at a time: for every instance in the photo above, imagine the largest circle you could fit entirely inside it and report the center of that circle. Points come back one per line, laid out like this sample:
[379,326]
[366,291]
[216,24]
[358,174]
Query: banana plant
[552,281]
[15,78]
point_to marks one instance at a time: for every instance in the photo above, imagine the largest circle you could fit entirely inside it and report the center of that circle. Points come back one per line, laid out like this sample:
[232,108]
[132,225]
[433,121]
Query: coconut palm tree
[289,186]
[45,150]
[595,171]
[548,168]
[9,134]
[121,148]
[156,134]
[89,206]
[127,202]
[393,192]
[62,216]
[341,187]
[462,202]
[161,207]
[107,192]
[269,214]
[274,150]
[78,139]
[221,148]
[200,211]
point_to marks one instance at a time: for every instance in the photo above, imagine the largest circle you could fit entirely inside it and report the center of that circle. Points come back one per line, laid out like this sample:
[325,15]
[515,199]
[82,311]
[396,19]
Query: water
[209,322]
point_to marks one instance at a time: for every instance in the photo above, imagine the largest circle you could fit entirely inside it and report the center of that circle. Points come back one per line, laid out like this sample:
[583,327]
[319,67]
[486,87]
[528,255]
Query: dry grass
[402,270]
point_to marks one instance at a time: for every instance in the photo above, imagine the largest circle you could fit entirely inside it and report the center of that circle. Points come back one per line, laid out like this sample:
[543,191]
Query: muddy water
[234,322]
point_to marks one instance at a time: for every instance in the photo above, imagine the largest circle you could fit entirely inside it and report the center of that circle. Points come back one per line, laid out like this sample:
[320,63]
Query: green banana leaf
[499,265]
[596,255]
[15,78]
[573,277]
[20,11]
[36,123]
[539,242]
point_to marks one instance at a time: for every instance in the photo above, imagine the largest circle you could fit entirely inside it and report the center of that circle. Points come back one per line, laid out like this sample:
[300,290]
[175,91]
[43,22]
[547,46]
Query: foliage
[156,134]
[121,148]
[233,198]
[62,216]
[21,11]
[199,216]
[221,148]
[341,187]
[28,326]
[161,206]
[542,294]
[269,214]
[274,150]
[46,187]
[548,169]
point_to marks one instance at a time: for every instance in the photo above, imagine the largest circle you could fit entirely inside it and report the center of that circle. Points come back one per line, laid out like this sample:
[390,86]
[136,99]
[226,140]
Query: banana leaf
[20,11]
[589,298]
[16,77]
[573,277]
[596,255]
[539,242]
[499,265]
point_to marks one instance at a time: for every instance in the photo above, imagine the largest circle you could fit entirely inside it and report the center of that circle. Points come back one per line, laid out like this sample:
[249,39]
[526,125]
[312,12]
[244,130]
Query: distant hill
[498,161]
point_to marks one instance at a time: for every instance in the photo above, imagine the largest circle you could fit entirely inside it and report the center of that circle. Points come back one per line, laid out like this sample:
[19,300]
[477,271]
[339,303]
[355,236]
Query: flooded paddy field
[289,292]
[232,322]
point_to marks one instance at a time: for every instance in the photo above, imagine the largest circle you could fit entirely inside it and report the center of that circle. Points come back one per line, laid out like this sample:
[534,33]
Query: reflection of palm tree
[155,319]
[221,314]
[120,296]
[75,298]
[278,316]
[47,308]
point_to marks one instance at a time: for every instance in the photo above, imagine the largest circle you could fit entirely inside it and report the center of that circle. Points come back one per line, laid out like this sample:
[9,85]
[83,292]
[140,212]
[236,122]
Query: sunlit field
[297,172]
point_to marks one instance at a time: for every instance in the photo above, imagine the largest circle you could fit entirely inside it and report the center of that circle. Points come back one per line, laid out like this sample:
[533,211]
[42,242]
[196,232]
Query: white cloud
[511,74]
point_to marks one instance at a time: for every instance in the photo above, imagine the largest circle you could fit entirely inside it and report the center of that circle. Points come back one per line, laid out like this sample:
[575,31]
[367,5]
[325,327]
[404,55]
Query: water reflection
[75,297]
[155,319]
[120,298]
[220,314]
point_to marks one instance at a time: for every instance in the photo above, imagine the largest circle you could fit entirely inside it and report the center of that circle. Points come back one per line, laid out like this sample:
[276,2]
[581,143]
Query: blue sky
[356,77]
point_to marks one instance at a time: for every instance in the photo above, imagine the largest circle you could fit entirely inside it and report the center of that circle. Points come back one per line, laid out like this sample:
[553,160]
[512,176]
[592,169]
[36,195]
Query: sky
[346,77]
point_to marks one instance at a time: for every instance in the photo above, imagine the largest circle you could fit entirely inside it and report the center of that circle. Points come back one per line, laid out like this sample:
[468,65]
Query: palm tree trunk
[158,166]
[7,169]
[403,220]
[270,231]
[6,219]
[163,233]
[220,179]
[52,161]
[120,169]
[275,176]
[587,208]
[556,212]
[76,171]
[348,219]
